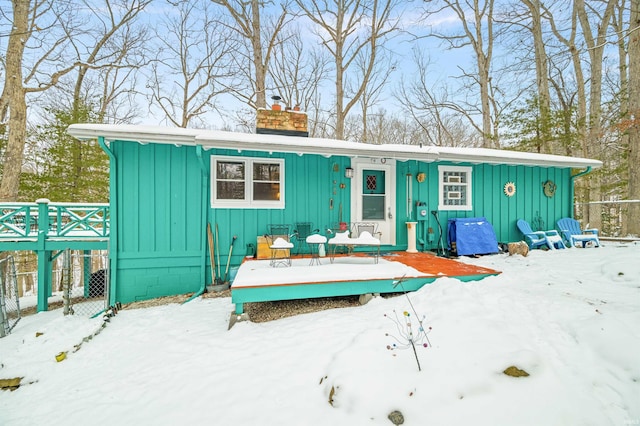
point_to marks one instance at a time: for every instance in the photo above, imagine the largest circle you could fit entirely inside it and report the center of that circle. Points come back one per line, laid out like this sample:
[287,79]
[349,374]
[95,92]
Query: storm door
[373,195]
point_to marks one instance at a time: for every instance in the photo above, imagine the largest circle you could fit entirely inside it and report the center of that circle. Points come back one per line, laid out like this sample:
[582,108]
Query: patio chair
[370,227]
[365,239]
[279,241]
[302,231]
[534,239]
[572,233]
[277,230]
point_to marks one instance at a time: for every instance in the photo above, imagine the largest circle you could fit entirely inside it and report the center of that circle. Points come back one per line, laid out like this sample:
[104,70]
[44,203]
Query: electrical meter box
[422,211]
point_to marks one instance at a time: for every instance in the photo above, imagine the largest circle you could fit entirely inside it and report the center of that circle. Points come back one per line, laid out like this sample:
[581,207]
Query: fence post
[44,256]
[66,281]
[3,320]
[86,272]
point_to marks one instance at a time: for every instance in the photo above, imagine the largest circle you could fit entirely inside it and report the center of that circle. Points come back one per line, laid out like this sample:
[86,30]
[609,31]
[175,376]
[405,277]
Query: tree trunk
[582,186]
[339,59]
[258,62]
[622,37]
[489,140]
[248,24]
[542,76]
[354,33]
[595,47]
[634,115]
[14,96]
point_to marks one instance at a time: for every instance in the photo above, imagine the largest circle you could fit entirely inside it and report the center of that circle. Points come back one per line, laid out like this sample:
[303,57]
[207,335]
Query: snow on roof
[210,139]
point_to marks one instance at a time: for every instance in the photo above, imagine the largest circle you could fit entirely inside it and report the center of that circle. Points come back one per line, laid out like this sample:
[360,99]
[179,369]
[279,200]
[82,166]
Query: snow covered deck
[257,281]
[54,226]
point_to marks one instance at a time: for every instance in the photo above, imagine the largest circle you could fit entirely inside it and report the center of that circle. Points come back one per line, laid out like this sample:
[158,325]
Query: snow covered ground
[570,318]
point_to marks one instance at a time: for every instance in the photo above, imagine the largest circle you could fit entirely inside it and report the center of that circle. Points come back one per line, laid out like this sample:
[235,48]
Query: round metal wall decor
[549,188]
[509,189]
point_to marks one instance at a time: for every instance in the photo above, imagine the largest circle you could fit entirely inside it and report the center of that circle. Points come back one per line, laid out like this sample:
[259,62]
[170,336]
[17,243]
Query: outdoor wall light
[348,172]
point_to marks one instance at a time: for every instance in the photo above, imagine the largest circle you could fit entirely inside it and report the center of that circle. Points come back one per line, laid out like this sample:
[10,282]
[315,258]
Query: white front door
[373,195]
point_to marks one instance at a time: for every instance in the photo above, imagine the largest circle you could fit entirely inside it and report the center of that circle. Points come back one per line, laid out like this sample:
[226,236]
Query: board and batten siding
[311,183]
[163,197]
[160,226]
[490,201]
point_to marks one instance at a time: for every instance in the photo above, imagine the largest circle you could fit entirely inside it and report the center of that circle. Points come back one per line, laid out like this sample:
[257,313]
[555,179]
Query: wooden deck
[257,281]
[48,229]
[53,226]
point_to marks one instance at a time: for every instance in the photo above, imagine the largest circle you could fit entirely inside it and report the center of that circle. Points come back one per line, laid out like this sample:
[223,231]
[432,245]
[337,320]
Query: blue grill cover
[474,235]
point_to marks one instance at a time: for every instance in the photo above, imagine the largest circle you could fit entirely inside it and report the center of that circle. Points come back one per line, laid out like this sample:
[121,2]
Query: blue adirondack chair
[572,233]
[550,239]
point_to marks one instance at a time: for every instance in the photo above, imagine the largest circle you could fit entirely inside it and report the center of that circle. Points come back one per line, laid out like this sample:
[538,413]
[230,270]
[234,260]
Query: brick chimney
[286,123]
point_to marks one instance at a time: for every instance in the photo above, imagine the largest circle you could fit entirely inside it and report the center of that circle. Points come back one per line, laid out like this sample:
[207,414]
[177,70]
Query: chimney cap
[276,98]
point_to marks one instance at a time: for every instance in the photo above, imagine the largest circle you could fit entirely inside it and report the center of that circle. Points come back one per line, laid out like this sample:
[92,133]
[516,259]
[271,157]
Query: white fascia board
[211,139]
[134,133]
[507,157]
[302,145]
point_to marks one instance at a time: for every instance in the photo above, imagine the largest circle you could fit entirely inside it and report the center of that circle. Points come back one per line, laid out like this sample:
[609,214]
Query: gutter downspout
[113,224]
[204,207]
[573,178]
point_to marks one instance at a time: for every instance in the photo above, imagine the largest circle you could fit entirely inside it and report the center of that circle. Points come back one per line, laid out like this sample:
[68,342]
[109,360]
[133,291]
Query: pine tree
[72,170]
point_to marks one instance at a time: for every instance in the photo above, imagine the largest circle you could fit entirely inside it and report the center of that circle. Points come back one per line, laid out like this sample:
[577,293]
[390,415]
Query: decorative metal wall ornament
[509,189]
[421,177]
[549,188]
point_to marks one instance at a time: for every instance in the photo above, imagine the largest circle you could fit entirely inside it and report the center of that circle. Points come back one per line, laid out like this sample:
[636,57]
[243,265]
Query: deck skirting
[346,276]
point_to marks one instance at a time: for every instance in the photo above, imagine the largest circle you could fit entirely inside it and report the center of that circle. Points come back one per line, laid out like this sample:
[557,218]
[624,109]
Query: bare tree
[116,50]
[443,121]
[297,71]
[114,46]
[566,136]
[634,117]
[372,93]
[542,73]
[193,61]
[476,21]
[47,26]
[595,44]
[618,22]
[349,30]
[386,127]
[259,41]
[570,42]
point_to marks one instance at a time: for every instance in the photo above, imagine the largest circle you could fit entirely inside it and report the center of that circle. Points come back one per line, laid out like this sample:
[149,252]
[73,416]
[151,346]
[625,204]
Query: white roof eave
[325,147]
[213,139]
[134,133]
[508,157]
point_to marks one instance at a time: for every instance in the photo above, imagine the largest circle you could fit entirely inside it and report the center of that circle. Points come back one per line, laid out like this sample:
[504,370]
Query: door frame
[389,167]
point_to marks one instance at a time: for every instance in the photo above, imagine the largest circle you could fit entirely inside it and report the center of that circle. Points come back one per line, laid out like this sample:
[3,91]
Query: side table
[314,242]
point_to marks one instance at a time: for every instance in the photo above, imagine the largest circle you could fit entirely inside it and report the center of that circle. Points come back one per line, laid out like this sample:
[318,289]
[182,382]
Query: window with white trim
[454,188]
[244,182]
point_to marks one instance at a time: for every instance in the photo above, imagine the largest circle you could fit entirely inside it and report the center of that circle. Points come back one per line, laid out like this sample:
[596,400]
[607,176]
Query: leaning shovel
[226,272]
[211,254]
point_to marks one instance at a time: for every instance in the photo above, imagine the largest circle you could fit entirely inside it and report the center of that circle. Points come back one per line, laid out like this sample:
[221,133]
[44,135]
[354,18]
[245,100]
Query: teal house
[167,185]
